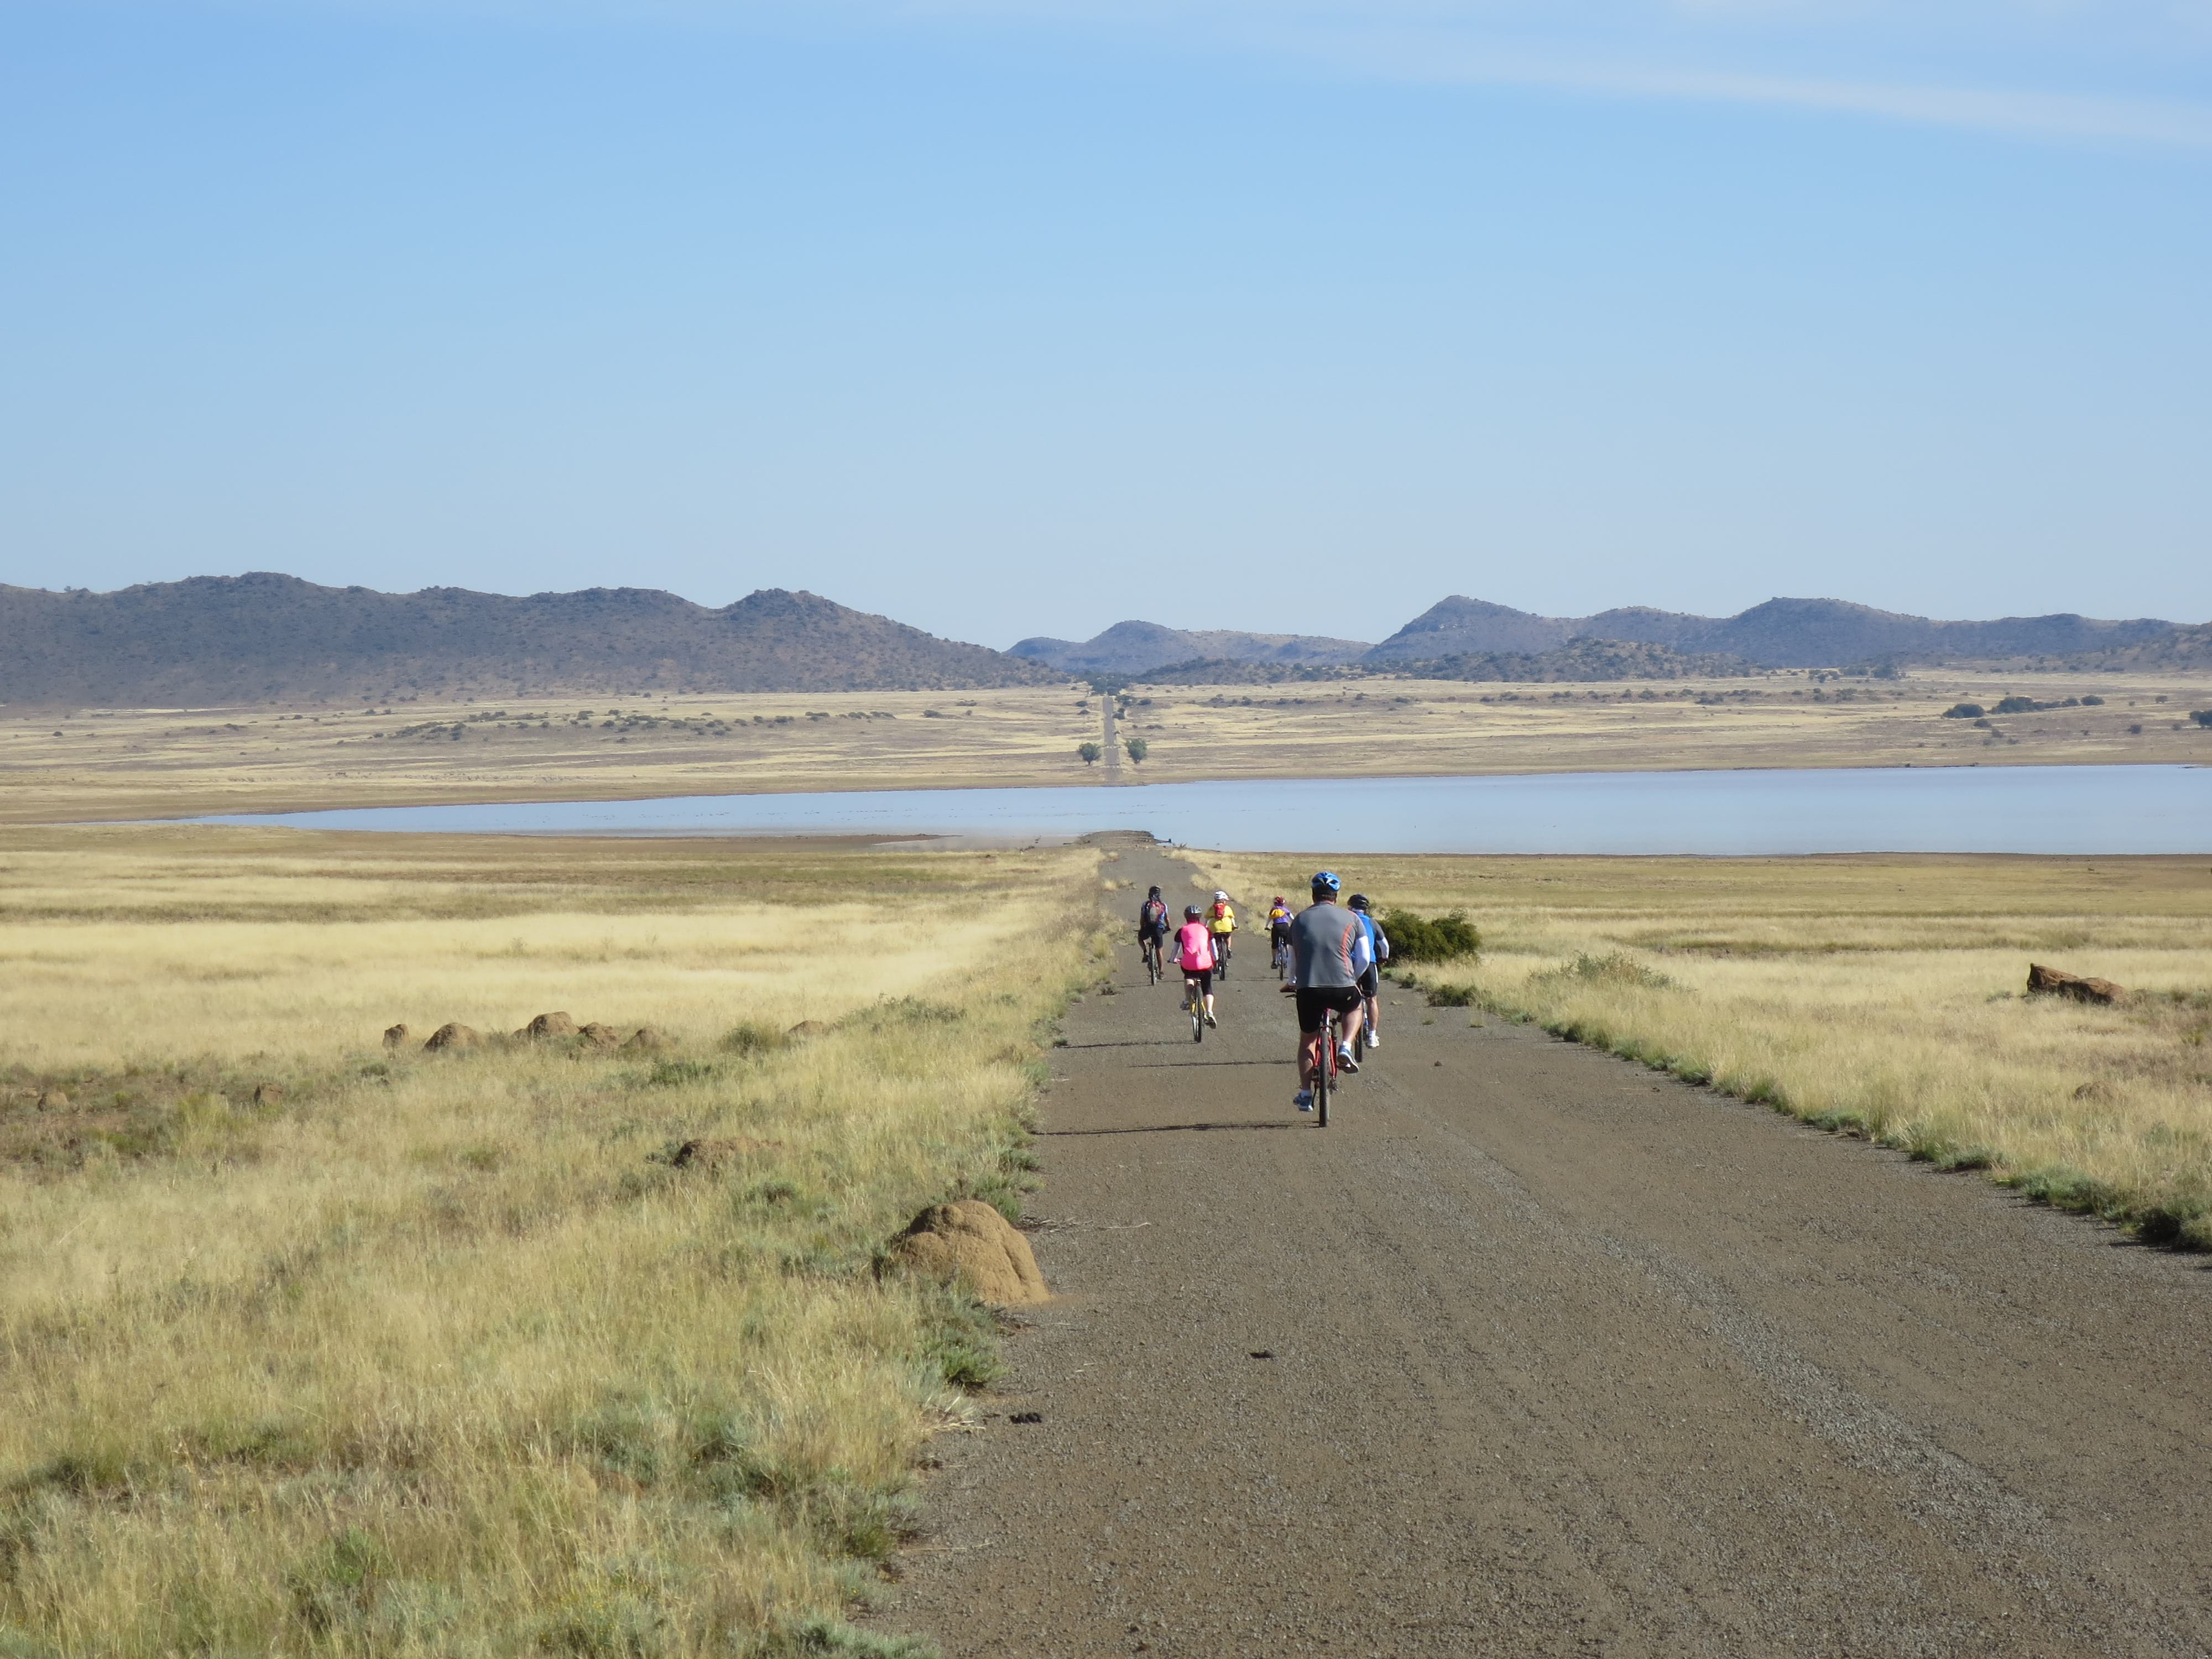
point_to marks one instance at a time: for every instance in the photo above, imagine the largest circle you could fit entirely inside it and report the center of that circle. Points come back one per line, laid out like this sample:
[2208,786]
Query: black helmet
[1190,913]
[1155,893]
[1357,901]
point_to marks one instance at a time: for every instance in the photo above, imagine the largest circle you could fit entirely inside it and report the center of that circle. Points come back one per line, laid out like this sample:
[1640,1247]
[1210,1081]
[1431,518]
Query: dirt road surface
[1534,1352]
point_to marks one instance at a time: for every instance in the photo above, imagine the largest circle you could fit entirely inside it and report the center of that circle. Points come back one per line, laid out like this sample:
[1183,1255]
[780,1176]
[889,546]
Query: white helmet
[1222,897]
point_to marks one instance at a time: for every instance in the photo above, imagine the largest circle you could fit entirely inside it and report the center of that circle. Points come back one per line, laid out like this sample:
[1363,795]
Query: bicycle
[1324,1077]
[1196,1003]
[1221,956]
[1150,948]
[1282,958]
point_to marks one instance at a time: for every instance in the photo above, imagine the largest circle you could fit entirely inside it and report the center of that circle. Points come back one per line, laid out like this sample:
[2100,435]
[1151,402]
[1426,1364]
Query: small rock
[268,1094]
[454,1034]
[646,1040]
[53,1100]
[2049,981]
[395,1036]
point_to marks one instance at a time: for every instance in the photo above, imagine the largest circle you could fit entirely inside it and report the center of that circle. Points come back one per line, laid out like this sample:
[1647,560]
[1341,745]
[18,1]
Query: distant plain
[82,764]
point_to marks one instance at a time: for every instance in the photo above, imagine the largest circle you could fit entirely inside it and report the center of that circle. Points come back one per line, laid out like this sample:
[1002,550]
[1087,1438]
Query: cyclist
[1279,932]
[1221,922]
[1152,926]
[1378,952]
[1328,949]
[1194,952]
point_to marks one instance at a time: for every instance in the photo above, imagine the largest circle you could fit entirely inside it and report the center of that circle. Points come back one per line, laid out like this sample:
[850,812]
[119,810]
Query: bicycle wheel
[1197,1016]
[1325,1072]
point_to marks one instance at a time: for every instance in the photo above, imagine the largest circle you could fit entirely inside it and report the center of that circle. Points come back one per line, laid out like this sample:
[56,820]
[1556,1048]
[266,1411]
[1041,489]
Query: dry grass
[80,764]
[452,1354]
[1877,995]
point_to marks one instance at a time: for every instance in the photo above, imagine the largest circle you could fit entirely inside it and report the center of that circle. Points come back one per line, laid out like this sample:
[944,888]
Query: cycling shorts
[1205,978]
[1370,981]
[1281,930]
[1316,1004]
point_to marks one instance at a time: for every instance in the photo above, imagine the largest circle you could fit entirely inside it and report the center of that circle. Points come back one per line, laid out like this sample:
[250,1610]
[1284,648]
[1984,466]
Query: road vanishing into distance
[1535,1352]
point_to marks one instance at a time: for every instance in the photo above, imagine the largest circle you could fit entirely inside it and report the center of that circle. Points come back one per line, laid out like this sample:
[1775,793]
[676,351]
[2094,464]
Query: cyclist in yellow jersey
[1221,922]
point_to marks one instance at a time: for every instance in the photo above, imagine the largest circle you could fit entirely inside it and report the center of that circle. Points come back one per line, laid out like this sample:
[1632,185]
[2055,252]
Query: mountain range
[1779,634]
[258,638]
[270,638]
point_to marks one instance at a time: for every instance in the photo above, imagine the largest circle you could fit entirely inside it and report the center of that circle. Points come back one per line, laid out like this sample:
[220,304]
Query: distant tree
[2202,717]
[1090,753]
[1965,711]
[2016,706]
[1138,749]
[2092,703]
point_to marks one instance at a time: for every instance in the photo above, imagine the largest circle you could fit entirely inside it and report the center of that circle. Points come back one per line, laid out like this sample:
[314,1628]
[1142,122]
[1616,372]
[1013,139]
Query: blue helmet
[1326,882]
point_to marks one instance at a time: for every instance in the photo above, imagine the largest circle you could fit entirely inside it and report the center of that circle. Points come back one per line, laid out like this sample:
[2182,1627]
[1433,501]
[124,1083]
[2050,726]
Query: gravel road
[1534,1352]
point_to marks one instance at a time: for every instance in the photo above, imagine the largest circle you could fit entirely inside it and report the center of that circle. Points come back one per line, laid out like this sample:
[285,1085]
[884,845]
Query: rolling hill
[1134,647]
[1779,634]
[215,640]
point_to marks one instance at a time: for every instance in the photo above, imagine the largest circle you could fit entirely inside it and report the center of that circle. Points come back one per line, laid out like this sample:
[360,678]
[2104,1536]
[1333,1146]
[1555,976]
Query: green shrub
[2016,706]
[1618,967]
[1965,711]
[751,1038]
[1425,938]
[2201,716]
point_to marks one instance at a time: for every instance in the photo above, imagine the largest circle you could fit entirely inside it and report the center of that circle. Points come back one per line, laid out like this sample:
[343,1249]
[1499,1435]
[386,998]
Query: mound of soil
[971,1242]
[717,1153]
[268,1094]
[647,1039]
[53,1100]
[454,1034]
[395,1036]
[548,1025]
[599,1037]
[804,1029]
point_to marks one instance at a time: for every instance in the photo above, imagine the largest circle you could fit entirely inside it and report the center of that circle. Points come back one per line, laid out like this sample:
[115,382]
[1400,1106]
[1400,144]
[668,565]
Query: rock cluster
[2049,981]
[544,1028]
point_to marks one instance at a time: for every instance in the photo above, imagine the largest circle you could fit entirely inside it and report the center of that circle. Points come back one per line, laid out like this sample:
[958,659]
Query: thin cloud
[1983,56]
[2169,123]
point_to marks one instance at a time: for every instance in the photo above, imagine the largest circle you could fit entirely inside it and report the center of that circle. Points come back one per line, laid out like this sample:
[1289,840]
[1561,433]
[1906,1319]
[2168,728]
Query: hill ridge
[268,636]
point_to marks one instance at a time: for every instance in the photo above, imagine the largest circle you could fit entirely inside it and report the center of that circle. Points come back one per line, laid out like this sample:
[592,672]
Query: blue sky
[1025,318]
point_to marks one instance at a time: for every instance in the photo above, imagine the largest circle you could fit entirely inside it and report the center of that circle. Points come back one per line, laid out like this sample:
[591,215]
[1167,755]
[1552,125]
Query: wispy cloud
[2134,72]
[2127,70]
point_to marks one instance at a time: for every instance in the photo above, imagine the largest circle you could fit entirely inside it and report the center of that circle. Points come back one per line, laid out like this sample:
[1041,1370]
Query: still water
[2009,809]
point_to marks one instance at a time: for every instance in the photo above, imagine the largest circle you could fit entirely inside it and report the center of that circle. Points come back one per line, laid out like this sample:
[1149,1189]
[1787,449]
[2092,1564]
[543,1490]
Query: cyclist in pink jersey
[1195,951]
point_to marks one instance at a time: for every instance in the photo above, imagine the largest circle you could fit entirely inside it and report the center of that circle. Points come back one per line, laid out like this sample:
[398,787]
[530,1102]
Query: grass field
[79,764]
[314,1346]
[1881,996]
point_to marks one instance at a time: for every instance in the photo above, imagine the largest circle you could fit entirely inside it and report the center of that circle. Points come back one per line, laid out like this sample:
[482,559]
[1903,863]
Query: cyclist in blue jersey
[1330,950]
[1378,952]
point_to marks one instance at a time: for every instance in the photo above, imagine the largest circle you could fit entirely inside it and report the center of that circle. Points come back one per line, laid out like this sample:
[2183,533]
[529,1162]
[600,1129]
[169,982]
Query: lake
[1999,808]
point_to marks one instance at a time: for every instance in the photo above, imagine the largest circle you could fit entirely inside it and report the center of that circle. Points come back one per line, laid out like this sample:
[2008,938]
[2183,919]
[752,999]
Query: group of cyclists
[1329,956]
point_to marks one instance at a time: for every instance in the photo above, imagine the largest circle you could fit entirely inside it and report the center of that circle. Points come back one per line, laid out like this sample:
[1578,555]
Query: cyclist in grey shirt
[1330,950]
